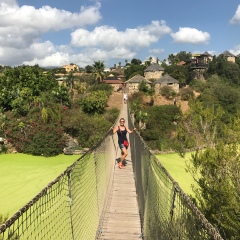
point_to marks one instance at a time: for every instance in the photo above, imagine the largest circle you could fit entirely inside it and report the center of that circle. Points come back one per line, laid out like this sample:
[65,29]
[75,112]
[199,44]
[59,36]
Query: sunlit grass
[23,176]
[176,166]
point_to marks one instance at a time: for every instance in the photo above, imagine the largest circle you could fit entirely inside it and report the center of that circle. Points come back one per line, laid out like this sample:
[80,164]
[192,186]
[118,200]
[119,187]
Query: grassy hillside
[176,166]
[24,176]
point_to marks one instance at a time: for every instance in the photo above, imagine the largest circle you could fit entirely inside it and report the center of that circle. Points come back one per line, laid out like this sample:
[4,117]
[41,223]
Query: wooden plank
[121,219]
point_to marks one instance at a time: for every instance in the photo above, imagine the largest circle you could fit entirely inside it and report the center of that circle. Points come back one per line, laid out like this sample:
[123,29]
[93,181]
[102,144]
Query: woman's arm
[114,130]
[130,131]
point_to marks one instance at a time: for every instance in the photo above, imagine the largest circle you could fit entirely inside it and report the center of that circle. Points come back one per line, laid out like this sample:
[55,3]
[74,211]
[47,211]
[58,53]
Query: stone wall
[153,75]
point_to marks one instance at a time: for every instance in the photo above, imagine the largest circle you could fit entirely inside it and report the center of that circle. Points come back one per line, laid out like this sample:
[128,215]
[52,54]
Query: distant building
[154,71]
[229,56]
[132,85]
[115,82]
[166,80]
[71,68]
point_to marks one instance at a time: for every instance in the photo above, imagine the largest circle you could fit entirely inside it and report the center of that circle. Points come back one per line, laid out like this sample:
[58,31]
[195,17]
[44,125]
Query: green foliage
[134,68]
[214,165]
[218,92]
[95,102]
[198,85]
[225,69]
[19,85]
[33,136]
[183,56]
[186,93]
[60,95]
[136,61]
[101,87]
[143,87]
[86,128]
[98,70]
[112,114]
[181,73]
[92,129]
[168,92]
[160,126]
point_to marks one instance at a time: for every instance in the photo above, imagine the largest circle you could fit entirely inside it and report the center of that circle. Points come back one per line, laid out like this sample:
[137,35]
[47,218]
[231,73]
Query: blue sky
[58,32]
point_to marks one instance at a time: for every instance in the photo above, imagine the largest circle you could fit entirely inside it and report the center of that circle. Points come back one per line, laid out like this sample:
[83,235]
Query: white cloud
[236,50]
[21,29]
[109,37]
[22,26]
[190,35]
[236,18]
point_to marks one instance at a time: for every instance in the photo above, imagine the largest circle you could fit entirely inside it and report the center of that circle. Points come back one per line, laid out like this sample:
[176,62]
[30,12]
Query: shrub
[33,136]
[112,114]
[186,93]
[95,103]
[168,92]
[159,126]
[101,87]
[197,85]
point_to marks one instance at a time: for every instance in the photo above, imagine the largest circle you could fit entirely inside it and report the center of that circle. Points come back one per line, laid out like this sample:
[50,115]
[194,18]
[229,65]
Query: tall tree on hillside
[173,59]
[136,67]
[214,165]
[98,70]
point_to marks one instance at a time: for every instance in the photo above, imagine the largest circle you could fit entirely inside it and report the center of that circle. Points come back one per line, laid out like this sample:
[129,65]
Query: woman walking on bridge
[122,131]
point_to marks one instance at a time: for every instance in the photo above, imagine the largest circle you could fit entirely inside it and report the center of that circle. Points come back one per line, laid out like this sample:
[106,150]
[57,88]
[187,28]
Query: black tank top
[122,135]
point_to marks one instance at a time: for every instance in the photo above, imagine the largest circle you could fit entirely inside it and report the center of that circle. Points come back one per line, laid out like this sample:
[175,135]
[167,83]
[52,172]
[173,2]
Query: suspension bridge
[94,199]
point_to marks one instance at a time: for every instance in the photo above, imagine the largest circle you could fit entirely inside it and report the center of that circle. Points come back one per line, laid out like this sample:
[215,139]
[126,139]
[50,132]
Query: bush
[101,87]
[112,114]
[95,103]
[159,126]
[92,129]
[168,92]
[186,93]
[33,136]
[198,85]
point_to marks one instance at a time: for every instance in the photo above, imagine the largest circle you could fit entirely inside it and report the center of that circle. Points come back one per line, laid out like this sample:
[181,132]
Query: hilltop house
[132,85]
[154,71]
[166,80]
[229,56]
[71,68]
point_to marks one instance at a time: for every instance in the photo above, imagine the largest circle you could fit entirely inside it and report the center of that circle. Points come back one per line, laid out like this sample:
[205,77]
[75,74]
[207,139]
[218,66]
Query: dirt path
[115,101]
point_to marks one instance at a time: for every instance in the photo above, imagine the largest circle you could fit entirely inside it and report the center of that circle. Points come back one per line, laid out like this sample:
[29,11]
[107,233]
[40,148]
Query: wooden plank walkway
[122,220]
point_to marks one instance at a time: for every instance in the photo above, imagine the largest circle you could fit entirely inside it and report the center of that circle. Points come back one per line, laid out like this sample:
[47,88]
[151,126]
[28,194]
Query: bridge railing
[71,206]
[166,212]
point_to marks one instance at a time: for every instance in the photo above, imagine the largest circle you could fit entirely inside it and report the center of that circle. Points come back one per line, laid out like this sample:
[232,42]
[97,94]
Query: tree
[172,59]
[89,69]
[214,165]
[183,56]
[134,68]
[181,73]
[136,61]
[98,70]
[95,102]
[22,84]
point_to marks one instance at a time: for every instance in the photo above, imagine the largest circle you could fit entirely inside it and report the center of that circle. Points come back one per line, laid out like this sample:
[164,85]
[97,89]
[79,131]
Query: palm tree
[98,70]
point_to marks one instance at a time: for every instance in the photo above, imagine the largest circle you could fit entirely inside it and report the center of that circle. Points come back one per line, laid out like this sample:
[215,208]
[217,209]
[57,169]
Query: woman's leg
[123,156]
